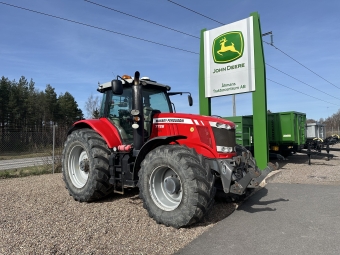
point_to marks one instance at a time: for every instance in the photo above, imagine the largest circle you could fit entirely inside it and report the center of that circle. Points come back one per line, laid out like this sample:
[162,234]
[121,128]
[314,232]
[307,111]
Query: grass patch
[20,155]
[24,155]
[28,171]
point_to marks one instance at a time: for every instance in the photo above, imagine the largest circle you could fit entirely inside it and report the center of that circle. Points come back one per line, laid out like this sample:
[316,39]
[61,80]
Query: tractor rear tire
[86,166]
[175,186]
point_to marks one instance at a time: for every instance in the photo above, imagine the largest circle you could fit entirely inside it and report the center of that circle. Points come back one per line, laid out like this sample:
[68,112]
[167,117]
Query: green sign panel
[228,47]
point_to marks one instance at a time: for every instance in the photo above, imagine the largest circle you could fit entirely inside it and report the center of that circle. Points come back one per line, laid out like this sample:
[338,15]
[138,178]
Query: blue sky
[74,58]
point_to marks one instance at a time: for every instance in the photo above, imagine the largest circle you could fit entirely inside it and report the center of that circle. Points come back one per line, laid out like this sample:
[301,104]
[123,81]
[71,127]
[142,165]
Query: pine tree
[68,109]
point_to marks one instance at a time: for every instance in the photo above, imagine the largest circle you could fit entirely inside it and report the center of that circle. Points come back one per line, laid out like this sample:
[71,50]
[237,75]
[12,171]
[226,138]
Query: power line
[301,64]
[271,44]
[99,28]
[134,37]
[196,12]
[300,92]
[151,22]
[302,82]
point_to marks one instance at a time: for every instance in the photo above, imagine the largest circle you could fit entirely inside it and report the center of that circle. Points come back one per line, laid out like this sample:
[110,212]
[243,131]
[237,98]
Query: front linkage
[241,172]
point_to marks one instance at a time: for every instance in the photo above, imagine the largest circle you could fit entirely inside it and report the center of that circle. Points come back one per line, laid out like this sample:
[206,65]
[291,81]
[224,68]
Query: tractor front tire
[85,166]
[174,186]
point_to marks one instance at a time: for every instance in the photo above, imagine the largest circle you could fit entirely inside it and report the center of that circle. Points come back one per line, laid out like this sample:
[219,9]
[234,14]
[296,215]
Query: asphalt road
[24,162]
[278,219]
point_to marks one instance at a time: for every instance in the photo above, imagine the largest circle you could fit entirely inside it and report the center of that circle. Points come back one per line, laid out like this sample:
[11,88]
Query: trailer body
[286,131]
[244,130]
[315,130]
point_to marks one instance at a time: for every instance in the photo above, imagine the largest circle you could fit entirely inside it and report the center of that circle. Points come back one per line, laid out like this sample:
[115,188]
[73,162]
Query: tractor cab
[117,106]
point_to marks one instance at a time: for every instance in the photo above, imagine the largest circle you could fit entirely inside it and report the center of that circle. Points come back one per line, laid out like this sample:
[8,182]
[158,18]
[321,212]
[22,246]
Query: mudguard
[153,143]
[103,127]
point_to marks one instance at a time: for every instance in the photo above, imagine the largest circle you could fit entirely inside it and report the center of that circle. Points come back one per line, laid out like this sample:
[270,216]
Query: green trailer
[244,130]
[286,131]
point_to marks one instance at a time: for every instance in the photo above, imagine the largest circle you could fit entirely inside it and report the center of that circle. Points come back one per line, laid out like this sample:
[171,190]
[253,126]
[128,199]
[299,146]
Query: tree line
[24,108]
[332,122]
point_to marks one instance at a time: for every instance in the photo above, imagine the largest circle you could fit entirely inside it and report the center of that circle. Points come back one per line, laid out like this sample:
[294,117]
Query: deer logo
[228,47]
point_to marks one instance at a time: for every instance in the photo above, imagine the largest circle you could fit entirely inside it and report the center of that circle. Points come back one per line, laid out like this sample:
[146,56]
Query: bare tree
[92,106]
[333,123]
[311,121]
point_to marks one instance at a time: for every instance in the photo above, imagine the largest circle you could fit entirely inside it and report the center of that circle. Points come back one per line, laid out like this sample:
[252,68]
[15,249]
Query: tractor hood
[195,119]
[211,136]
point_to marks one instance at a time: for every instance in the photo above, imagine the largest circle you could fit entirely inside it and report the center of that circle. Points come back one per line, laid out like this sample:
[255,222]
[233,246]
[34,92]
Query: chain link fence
[41,150]
[24,149]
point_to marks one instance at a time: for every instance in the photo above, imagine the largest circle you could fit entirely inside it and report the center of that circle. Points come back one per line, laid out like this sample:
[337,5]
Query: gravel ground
[321,171]
[37,216]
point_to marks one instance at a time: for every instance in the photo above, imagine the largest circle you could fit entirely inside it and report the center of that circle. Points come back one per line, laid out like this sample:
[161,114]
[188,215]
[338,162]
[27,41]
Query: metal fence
[22,149]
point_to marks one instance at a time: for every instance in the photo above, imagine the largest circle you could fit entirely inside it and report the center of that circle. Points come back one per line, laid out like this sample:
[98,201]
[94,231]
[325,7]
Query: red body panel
[105,128]
[167,124]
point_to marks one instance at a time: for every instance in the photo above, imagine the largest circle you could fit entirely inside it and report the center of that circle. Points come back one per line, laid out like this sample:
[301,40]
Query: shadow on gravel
[131,193]
[218,212]
[253,203]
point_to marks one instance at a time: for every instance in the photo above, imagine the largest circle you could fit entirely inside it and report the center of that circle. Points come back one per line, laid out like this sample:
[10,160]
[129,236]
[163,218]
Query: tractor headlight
[222,125]
[224,149]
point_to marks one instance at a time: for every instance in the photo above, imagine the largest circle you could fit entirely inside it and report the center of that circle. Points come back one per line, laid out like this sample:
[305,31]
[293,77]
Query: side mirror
[190,100]
[117,87]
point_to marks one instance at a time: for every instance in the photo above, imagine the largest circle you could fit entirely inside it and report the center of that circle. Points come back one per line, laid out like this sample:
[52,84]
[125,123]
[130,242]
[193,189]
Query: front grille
[224,137]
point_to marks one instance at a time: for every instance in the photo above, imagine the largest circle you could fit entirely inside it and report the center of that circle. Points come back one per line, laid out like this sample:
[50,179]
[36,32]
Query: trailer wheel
[174,186]
[85,166]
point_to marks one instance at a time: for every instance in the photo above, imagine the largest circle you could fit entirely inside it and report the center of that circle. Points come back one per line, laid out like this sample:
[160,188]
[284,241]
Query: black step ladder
[116,173]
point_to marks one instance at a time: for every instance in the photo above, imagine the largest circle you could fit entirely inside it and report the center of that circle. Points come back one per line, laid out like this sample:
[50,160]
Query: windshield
[156,99]
[121,105]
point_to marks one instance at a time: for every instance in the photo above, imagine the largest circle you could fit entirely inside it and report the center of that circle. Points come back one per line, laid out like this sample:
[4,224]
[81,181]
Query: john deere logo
[228,47]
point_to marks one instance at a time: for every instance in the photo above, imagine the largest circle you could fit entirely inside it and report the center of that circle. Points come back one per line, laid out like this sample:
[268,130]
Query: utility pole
[234,105]
[271,37]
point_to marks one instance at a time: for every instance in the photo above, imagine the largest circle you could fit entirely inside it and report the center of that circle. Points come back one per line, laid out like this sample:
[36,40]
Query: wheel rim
[165,188]
[78,166]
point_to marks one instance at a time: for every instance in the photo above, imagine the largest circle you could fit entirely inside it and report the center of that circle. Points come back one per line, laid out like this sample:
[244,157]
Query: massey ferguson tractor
[177,160]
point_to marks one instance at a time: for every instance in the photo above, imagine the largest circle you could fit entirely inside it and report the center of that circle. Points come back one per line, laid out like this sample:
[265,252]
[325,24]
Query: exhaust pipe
[137,104]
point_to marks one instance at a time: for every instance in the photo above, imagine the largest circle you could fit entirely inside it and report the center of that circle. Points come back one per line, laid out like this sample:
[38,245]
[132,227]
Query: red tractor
[176,160]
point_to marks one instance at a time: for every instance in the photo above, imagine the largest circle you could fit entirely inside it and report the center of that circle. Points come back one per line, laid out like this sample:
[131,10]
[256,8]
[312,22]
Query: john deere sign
[229,59]
[228,47]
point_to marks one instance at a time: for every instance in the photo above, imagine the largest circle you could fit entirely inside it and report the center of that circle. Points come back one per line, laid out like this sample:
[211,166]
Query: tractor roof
[145,81]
